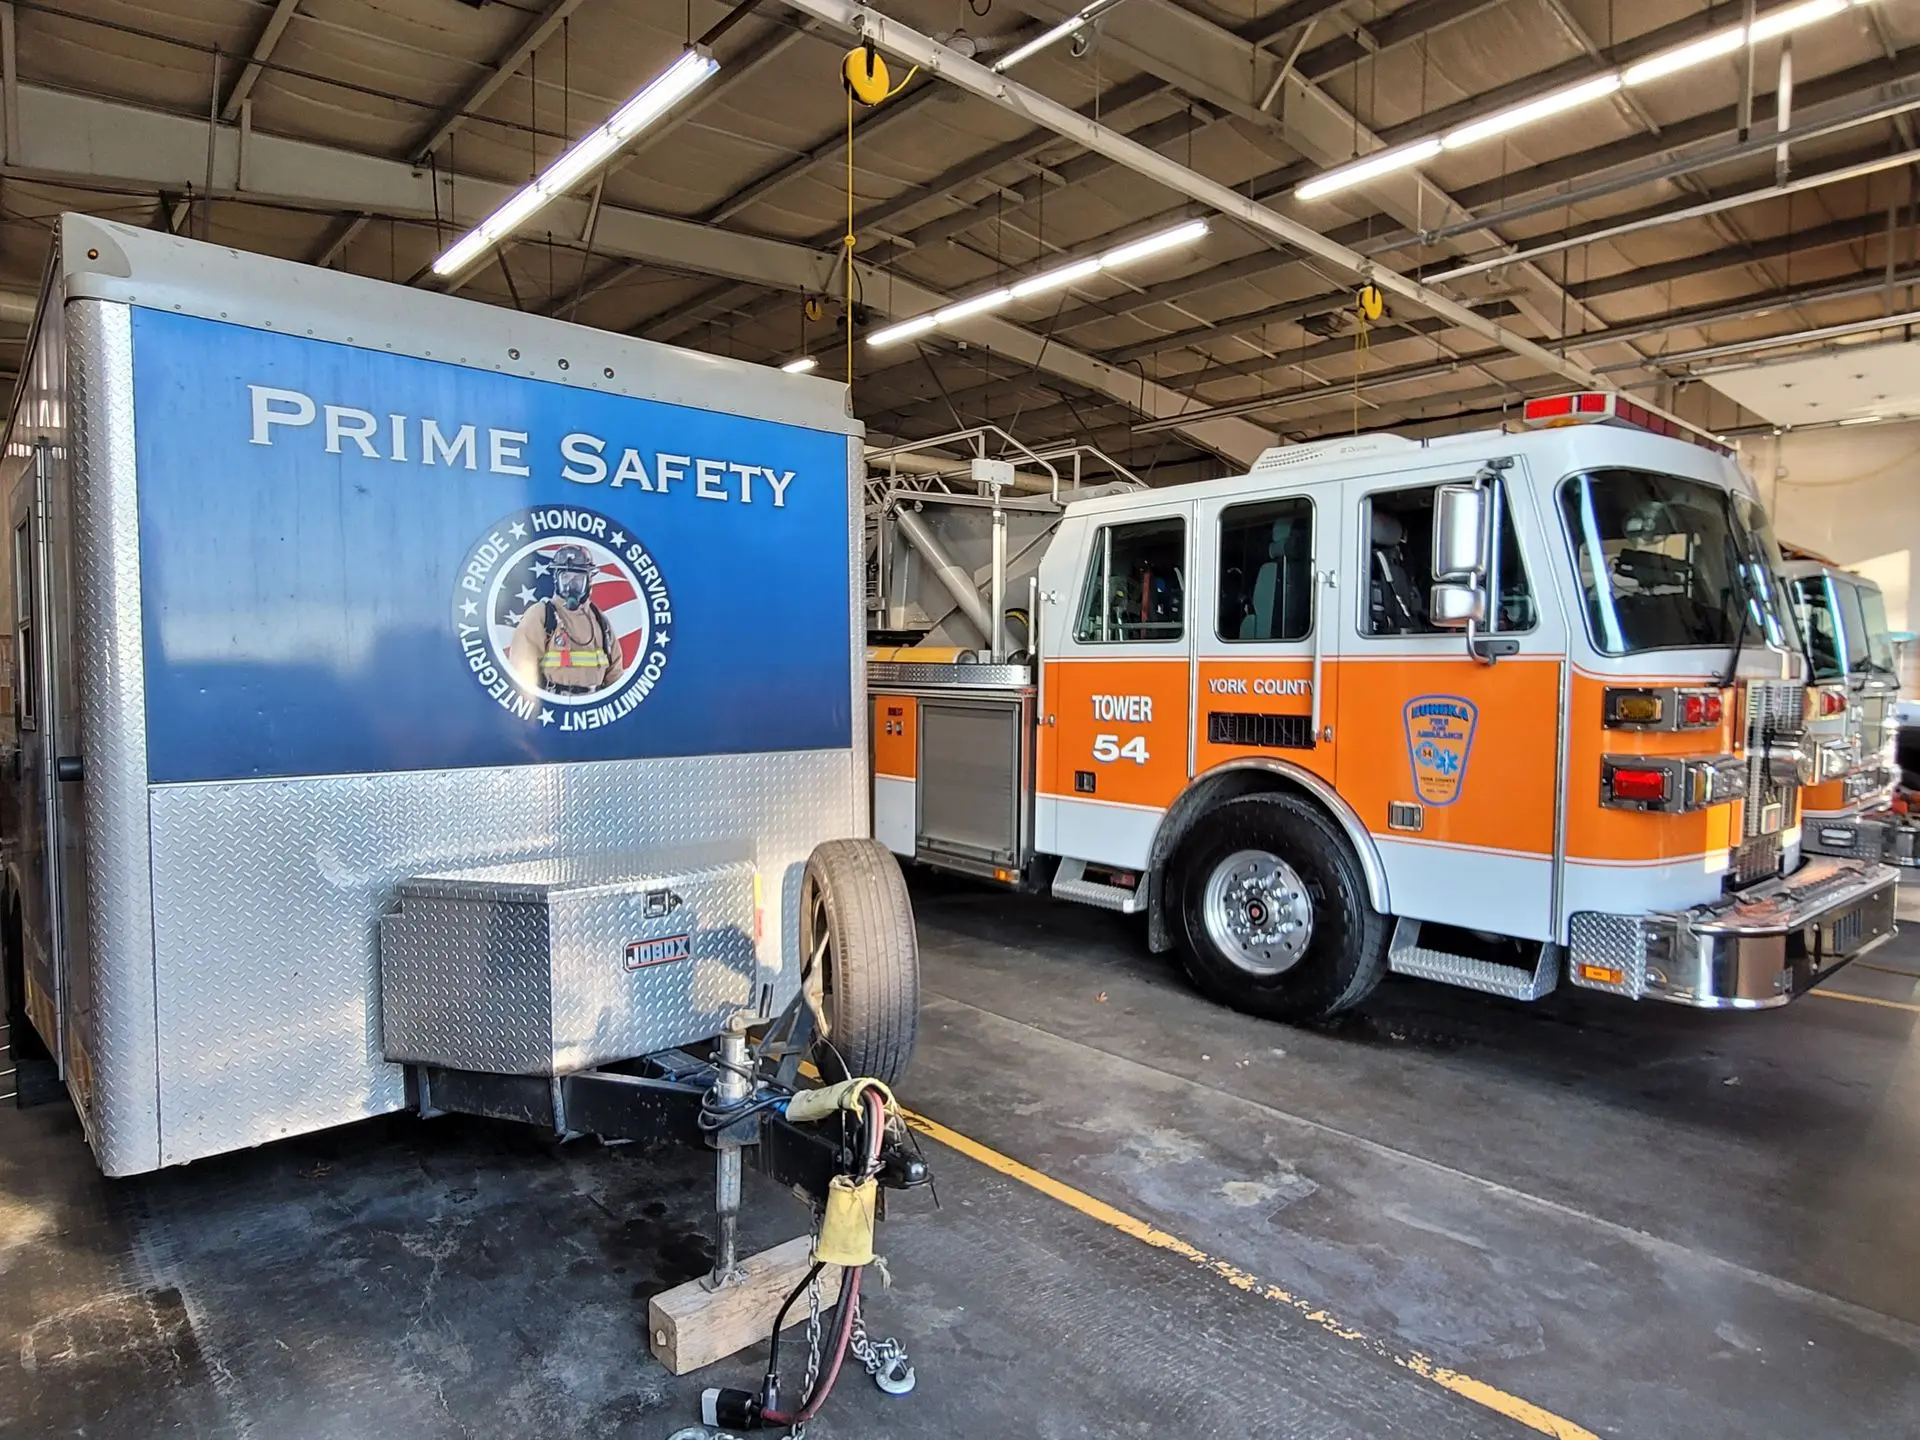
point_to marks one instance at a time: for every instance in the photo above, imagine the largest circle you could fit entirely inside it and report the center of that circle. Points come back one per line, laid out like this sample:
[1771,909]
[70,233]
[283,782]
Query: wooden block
[690,1326]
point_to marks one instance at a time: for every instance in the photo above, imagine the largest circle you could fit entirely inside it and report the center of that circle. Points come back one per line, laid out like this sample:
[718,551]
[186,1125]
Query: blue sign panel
[353,561]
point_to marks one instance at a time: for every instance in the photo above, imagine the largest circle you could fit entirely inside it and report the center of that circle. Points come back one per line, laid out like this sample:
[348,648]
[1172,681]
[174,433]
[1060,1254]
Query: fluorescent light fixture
[905,330]
[1655,67]
[800,366]
[961,309]
[1066,27]
[1862,420]
[1383,162]
[1054,279]
[1514,116]
[1779,22]
[1153,244]
[593,149]
[1683,57]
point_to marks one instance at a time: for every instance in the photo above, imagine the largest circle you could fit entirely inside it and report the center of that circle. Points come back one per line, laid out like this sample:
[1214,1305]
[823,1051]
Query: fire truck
[1843,618]
[1499,710]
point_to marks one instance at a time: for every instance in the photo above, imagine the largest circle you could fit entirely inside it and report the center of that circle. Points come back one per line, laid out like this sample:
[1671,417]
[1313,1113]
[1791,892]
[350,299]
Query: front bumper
[1877,836]
[1749,951]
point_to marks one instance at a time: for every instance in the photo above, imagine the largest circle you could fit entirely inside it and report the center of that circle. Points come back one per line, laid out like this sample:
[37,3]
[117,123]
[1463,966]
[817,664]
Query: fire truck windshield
[1869,642]
[1669,563]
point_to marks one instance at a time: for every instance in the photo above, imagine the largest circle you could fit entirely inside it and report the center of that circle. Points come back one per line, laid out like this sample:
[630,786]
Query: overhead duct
[910,45]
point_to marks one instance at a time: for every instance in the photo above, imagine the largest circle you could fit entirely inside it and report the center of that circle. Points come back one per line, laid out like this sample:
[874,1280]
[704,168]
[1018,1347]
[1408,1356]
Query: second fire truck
[1843,618]
[1502,710]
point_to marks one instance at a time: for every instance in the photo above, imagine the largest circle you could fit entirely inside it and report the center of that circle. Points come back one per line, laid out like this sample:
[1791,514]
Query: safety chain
[799,1432]
[886,1361]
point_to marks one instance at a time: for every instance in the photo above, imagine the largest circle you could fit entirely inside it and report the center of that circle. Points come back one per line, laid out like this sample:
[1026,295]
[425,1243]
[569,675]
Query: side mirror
[1459,535]
[1454,604]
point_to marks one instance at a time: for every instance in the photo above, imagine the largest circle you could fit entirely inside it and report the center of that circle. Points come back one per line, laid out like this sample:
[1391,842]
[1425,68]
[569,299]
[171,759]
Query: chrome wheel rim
[1257,912]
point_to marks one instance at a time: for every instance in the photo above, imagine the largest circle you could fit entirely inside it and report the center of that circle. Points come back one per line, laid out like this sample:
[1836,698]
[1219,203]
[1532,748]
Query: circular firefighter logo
[563,617]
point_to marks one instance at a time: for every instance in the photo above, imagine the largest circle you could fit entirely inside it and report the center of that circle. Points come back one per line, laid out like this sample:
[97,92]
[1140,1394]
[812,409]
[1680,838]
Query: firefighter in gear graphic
[565,644]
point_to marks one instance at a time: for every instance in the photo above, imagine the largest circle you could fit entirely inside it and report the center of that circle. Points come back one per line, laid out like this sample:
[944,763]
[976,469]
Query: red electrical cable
[849,1290]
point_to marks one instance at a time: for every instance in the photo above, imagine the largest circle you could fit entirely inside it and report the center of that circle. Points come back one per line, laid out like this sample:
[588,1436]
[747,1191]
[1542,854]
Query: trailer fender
[1249,777]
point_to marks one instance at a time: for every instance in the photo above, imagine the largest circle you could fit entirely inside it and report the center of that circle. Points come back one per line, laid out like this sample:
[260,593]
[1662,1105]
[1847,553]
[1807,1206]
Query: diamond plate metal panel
[268,897]
[113,943]
[1407,956]
[518,969]
[1617,942]
[467,984]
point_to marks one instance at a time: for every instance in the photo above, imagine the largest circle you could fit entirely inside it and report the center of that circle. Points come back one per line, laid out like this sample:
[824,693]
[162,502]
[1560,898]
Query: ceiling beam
[82,142]
[1817,98]
[535,33]
[833,147]
[262,51]
[1270,224]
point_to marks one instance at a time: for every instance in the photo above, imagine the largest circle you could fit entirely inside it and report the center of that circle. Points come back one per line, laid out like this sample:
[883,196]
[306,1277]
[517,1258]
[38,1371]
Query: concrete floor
[1608,1219]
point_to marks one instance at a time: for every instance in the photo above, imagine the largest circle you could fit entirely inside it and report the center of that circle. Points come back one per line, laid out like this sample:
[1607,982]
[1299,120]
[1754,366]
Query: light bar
[1655,67]
[1054,279]
[1685,57]
[1054,36]
[1384,162]
[800,366]
[1514,116]
[593,149]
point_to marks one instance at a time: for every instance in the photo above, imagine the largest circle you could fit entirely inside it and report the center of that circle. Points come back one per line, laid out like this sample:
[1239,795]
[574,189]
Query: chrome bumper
[1877,837]
[1749,951]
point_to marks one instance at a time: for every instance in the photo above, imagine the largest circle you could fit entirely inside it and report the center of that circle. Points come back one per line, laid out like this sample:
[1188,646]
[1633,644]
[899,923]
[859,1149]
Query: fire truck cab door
[1117,637]
[1451,761]
[1260,616]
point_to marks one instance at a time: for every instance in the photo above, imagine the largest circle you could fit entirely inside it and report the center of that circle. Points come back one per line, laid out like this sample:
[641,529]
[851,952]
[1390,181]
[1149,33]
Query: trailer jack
[840,1147]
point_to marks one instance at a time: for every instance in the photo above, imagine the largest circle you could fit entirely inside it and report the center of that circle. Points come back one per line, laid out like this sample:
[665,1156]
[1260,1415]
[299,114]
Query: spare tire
[860,961]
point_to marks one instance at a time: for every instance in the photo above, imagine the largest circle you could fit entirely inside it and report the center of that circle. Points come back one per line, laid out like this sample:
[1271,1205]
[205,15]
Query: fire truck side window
[1266,571]
[1400,566]
[1136,585]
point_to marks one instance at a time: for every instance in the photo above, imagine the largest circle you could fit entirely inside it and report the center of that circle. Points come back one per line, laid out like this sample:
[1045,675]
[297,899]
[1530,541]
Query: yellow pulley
[1370,303]
[865,73]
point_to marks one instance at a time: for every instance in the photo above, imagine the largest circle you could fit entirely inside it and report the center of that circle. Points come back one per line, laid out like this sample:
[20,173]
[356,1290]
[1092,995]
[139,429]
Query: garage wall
[1853,495]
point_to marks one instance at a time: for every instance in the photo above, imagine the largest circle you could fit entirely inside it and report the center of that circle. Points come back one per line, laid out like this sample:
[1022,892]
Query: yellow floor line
[1867,1000]
[1480,1393]
[1885,969]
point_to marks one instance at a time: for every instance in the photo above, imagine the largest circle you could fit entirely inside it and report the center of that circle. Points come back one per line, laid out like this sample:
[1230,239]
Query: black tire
[861,960]
[1344,954]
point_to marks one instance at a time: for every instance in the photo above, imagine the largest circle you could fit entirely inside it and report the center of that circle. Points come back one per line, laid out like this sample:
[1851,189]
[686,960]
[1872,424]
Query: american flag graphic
[529,582]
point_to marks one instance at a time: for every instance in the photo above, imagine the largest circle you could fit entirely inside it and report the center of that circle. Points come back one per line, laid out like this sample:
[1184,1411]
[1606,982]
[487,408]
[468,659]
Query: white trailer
[425,705]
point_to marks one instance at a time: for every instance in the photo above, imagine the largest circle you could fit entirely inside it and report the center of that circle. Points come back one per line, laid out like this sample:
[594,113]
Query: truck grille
[1775,716]
[1756,859]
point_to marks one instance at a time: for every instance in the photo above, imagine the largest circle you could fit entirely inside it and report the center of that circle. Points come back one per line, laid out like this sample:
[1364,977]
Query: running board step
[1070,882]
[1407,956]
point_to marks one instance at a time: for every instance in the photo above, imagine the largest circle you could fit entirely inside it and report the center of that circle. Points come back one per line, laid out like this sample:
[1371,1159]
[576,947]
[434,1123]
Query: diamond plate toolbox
[541,967]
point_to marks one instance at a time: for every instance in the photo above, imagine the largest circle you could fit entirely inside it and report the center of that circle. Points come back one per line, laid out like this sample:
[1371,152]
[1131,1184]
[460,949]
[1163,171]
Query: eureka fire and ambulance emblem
[563,617]
[1439,744]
